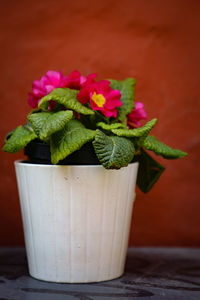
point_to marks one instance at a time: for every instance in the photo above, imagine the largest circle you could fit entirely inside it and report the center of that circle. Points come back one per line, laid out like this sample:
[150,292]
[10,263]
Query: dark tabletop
[151,273]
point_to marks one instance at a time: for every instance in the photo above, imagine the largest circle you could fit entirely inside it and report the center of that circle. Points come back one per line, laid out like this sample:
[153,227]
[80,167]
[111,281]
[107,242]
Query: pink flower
[101,97]
[137,114]
[76,81]
[44,86]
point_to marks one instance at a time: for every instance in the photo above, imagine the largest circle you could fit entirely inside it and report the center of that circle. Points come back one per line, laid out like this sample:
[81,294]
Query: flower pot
[76,220]
[39,152]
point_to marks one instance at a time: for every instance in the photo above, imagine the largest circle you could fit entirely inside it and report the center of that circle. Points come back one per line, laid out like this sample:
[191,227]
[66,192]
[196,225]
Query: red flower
[137,114]
[101,97]
[52,80]
[76,81]
[44,86]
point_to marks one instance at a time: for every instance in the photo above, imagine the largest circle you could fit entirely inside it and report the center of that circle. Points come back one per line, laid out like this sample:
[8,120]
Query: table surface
[151,273]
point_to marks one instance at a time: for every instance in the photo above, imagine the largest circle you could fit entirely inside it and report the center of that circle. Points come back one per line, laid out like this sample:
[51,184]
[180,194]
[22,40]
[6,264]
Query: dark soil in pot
[39,153]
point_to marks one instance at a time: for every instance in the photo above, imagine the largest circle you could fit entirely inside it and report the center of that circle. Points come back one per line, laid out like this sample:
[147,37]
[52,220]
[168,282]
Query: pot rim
[26,163]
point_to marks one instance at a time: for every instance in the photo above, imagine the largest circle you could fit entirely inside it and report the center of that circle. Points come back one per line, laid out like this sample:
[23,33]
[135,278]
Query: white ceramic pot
[76,220]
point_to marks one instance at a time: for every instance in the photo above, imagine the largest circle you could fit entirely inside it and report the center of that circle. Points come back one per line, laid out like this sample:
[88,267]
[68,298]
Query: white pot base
[100,280]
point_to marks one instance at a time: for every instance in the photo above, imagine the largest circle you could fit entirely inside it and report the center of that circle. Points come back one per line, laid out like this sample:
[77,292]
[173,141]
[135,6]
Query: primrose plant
[69,112]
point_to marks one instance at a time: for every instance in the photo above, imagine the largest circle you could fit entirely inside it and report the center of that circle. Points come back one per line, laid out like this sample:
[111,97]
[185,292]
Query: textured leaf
[19,139]
[91,121]
[35,111]
[110,126]
[46,123]
[113,152]
[153,144]
[126,87]
[149,171]
[66,97]
[9,134]
[137,132]
[71,138]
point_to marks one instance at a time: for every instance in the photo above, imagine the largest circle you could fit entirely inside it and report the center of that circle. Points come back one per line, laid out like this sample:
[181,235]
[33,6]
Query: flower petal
[49,88]
[86,93]
[137,114]
[45,85]
[54,77]
[32,100]
[38,93]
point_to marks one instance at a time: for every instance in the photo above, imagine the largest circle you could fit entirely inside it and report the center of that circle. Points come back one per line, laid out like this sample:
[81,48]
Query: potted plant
[84,143]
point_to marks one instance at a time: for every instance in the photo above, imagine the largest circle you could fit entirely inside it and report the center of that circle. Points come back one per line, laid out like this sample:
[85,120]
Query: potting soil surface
[151,273]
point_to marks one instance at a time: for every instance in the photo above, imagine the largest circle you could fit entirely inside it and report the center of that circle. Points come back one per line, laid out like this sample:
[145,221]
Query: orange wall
[155,41]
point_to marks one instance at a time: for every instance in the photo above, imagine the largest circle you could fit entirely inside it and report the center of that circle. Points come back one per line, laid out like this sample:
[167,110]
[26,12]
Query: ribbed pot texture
[76,220]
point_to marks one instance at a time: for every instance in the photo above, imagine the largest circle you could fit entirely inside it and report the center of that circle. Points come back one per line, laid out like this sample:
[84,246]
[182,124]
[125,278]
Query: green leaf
[19,139]
[71,138]
[137,132]
[149,171]
[126,87]
[91,121]
[46,123]
[9,134]
[66,97]
[35,111]
[113,152]
[153,144]
[109,127]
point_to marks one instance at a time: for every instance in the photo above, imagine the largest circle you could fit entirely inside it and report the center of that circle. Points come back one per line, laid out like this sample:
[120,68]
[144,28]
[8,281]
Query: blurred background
[157,42]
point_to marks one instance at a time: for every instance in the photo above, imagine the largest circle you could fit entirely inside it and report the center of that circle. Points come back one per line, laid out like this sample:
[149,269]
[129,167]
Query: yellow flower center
[99,99]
